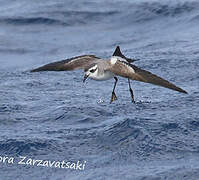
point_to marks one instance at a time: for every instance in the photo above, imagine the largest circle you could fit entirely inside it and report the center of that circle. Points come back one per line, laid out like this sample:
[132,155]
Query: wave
[10,108]
[143,138]
[15,50]
[138,11]
[147,11]
[29,21]
[19,147]
[85,14]
[169,9]
[69,18]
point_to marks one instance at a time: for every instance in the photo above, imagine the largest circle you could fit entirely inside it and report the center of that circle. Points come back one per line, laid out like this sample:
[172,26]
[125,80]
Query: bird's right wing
[79,62]
[131,71]
[118,53]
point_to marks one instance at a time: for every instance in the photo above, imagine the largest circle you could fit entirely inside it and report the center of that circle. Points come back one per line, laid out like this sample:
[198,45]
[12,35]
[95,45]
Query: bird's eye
[92,70]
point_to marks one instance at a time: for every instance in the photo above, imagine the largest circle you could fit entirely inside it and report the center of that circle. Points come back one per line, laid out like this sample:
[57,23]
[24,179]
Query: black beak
[85,77]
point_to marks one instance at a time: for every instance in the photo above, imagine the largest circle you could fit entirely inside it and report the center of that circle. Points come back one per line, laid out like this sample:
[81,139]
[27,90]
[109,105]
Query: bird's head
[91,72]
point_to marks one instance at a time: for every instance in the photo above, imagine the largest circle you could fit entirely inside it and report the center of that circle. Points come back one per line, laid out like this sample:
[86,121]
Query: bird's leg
[131,91]
[114,97]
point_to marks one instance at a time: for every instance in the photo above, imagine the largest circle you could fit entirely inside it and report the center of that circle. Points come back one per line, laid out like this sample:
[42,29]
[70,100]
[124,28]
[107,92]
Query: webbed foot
[113,97]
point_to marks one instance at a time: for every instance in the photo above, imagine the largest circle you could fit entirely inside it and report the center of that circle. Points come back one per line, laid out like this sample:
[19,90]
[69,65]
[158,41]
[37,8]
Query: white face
[92,72]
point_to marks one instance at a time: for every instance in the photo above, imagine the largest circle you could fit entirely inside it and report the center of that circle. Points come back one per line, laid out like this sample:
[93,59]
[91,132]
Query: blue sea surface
[54,117]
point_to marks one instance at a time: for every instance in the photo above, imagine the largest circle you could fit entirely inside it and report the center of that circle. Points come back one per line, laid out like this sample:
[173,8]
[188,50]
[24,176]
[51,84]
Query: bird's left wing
[79,62]
[131,71]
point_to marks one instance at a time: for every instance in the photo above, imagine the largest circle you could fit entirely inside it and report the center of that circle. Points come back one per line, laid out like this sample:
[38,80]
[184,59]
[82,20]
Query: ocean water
[55,118]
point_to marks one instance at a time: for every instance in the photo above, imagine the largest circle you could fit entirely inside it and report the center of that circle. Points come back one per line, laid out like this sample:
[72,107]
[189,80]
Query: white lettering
[22,159]
[6,159]
[51,163]
[39,162]
[44,163]
[72,166]
[57,164]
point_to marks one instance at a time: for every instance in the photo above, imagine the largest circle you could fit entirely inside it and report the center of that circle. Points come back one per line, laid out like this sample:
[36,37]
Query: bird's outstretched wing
[131,71]
[79,62]
[118,53]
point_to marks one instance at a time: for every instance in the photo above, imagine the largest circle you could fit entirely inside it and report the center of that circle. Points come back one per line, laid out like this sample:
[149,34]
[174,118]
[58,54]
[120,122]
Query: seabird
[99,69]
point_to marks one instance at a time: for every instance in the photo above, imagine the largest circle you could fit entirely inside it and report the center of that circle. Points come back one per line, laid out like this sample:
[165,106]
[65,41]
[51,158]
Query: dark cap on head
[90,66]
